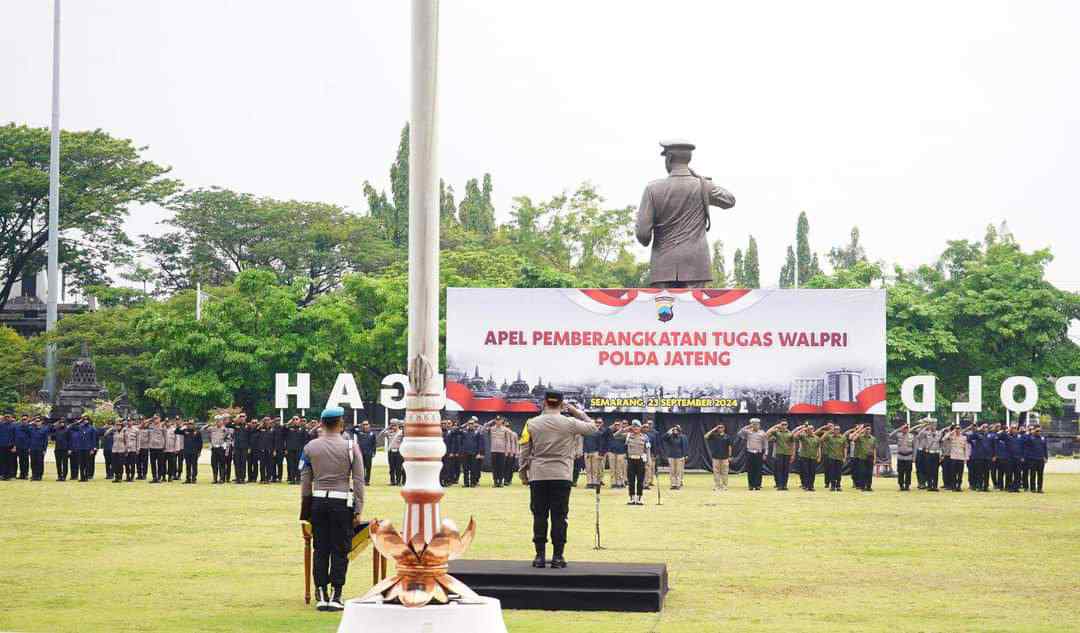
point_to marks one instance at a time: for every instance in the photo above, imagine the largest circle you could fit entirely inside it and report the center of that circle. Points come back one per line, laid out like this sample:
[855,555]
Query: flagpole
[198,301]
[54,210]
[423,447]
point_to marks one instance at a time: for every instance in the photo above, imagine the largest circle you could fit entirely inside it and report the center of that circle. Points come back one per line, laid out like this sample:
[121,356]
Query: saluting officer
[331,504]
[547,456]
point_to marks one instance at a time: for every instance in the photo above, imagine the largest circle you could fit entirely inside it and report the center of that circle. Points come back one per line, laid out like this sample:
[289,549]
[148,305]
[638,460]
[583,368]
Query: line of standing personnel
[1005,459]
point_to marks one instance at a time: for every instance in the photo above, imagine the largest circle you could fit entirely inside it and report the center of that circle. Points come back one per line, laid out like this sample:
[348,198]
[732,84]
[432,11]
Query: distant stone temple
[80,390]
[24,311]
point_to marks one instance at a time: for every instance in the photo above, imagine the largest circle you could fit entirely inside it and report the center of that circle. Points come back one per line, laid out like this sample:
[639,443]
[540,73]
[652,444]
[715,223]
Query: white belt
[331,494]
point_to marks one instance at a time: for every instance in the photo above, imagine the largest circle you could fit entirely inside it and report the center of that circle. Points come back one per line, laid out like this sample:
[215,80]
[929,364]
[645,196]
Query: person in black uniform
[241,446]
[62,444]
[267,442]
[367,440]
[296,436]
[281,436]
[254,451]
[193,444]
[331,498]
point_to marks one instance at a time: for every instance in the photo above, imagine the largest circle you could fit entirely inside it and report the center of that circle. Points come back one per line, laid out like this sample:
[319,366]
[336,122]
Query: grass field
[135,557]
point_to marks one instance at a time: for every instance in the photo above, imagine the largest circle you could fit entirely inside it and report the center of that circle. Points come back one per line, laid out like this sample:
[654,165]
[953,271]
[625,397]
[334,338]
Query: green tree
[222,233]
[447,206]
[393,214]
[137,273]
[100,178]
[751,268]
[807,260]
[849,255]
[739,270]
[719,271]
[787,273]
[21,372]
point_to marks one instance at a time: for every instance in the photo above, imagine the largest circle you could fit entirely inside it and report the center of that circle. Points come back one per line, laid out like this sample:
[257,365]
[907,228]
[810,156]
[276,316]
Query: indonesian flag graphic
[610,301]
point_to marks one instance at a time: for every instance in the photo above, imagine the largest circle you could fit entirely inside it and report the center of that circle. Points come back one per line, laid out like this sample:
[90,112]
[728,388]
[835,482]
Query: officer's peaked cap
[676,143]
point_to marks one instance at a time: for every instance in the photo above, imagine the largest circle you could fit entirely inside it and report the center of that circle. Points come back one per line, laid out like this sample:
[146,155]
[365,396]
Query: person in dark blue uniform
[367,441]
[39,442]
[241,446]
[1036,453]
[22,446]
[7,448]
[193,445]
[982,450]
[61,435]
[296,436]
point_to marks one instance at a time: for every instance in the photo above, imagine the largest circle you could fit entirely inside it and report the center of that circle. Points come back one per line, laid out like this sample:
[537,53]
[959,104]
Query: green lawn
[136,557]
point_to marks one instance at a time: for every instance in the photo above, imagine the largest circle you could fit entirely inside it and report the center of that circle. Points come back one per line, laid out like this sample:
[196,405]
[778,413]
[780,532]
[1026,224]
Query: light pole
[54,210]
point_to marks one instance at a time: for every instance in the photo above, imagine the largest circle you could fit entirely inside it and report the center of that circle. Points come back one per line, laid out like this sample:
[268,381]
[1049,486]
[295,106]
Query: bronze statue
[674,216]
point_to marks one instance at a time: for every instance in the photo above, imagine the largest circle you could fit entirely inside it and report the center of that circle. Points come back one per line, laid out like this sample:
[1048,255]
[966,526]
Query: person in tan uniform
[593,447]
[501,442]
[547,456]
[331,498]
[131,442]
[638,450]
[119,451]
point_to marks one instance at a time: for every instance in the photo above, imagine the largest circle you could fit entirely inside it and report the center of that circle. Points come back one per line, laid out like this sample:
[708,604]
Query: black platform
[579,587]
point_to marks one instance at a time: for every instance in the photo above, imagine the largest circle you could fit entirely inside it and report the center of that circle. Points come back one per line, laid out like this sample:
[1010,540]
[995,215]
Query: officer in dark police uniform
[331,498]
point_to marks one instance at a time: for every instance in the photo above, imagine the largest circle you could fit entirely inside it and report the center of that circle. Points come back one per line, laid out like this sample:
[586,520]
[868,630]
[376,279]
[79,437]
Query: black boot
[557,560]
[540,561]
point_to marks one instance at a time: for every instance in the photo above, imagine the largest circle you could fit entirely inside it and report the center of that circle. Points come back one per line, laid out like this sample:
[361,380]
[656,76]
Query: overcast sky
[917,121]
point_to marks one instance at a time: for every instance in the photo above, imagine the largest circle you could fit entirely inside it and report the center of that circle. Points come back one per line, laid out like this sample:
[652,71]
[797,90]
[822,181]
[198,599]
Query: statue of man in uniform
[674,216]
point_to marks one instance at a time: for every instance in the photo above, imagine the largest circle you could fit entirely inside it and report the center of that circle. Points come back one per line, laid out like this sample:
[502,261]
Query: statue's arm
[720,197]
[645,216]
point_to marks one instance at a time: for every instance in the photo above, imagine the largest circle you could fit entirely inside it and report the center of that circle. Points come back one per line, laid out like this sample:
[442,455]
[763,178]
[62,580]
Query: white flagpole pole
[198,301]
[423,447]
[54,210]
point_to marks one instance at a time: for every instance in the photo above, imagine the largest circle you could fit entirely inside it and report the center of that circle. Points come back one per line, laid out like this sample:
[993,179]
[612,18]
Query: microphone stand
[656,465]
[598,546]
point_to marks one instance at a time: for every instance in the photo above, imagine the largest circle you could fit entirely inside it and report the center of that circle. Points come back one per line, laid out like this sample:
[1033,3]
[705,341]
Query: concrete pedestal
[365,617]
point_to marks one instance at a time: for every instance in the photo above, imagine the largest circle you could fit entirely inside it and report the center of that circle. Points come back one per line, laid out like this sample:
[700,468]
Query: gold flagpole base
[421,568]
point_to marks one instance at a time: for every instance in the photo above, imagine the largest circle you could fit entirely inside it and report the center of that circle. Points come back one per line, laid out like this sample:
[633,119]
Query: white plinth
[368,617]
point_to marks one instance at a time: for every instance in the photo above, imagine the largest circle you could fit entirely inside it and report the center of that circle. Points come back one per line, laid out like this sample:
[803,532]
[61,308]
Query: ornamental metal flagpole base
[484,616]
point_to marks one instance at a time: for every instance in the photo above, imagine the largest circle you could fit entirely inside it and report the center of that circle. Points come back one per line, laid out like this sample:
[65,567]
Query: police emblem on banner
[665,308]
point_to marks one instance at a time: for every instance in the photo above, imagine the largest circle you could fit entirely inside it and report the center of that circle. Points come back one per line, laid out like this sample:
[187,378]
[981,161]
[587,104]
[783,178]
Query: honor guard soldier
[547,457]
[331,498]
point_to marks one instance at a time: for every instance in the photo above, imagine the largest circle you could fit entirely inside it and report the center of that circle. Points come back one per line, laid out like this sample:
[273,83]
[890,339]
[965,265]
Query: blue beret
[332,412]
